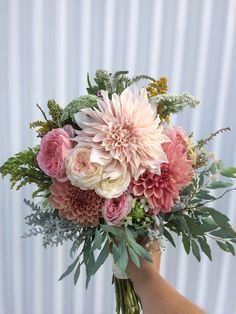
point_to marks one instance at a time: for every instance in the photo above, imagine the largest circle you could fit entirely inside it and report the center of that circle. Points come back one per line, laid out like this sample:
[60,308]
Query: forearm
[159,297]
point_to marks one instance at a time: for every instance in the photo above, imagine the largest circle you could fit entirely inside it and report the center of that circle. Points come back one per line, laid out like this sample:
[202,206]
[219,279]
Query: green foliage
[112,83]
[86,101]
[168,104]
[23,169]
[70,268]
[195,221]
[169,237]
[137,212]
[55,112]
[203,142]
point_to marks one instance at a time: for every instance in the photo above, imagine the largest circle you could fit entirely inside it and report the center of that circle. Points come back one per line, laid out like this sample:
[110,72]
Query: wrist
[144,279]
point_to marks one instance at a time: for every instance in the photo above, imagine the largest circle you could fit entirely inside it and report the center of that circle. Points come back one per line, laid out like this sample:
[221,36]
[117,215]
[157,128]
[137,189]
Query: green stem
[127,300]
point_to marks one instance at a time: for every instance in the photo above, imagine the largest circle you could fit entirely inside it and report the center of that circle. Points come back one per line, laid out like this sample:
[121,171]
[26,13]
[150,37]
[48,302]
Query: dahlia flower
[81,207]
[123,133]
[161,190]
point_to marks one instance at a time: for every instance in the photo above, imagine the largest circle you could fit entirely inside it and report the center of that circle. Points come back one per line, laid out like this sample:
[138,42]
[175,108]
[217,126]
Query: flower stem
[127,301]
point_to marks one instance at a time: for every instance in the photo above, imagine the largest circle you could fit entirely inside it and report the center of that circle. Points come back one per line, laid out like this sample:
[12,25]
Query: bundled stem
[127,301]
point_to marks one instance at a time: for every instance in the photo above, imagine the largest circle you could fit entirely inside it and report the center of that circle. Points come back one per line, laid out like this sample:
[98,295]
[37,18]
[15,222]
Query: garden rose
[80,171]
[116,209]
[55,146]
[113,187]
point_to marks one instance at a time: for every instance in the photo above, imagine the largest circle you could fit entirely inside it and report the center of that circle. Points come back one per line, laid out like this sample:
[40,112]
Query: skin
[156,294]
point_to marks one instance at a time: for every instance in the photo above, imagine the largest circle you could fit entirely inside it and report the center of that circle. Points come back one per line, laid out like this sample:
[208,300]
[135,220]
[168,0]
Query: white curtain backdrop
[46,49]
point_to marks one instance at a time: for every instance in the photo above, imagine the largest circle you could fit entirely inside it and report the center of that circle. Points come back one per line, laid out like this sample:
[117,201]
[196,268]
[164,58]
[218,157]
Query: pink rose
[116,209]
[55,146]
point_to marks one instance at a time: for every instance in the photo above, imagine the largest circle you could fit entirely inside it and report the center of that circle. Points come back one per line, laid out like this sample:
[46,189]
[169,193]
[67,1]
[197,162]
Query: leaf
[98,240]
[208,224]
[195,226]
[231,248]
[219,218]
[69,269]
[77,273]
[169,237]
[195,250]
[224,233]
[101,257]
[204,195]
[134,257]
[182,222]
[139,250]
[116,231]
[115,251]
[219,185]
[223,246]
[213,168]
[186,242]
[229,172]
[220,165]
[90,267]
[123,260]
[201,179]
[205,247]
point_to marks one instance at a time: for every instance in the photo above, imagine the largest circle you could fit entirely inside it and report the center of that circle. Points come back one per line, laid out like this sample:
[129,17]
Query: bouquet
[111,173]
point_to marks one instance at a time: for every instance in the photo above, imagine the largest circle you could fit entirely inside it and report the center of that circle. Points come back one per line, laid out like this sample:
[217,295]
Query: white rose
[80,171]
[112,188]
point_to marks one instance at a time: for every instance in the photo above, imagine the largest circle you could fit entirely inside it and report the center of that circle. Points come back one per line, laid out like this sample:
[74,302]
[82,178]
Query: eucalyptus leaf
[223,246]
[226,233]
[123,259]
[186,242]
[101,257]
[139,250]
[231,248]
[208,224]
[116,231]
[204,195]
[195,226]
[98,240]
[180,220]
[220,165]
[229,172]
[69,269]
[77,273]
[169,237]
[116,251]
[213,168]
[195,250]
[90,267]
[205,247]
[218,217]
[201,179]
[134,257]
[219,185]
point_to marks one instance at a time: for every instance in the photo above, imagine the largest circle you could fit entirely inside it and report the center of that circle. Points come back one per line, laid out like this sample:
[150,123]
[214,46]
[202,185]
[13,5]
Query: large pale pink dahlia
[161,190]
[81,207]
[123,133]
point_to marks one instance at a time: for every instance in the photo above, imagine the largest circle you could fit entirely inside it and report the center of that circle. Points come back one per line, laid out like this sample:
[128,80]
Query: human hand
[146,267]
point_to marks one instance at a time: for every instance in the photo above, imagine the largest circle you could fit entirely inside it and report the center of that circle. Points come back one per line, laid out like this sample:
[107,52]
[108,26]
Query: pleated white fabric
[46,50]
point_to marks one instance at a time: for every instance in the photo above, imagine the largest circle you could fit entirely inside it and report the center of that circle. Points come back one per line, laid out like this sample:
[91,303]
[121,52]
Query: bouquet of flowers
[111,171]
